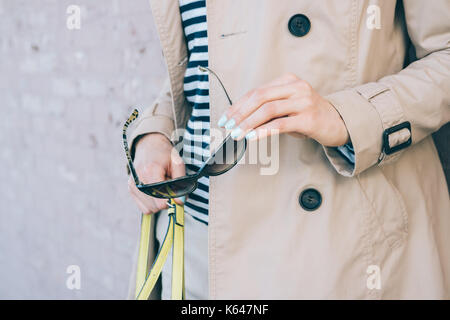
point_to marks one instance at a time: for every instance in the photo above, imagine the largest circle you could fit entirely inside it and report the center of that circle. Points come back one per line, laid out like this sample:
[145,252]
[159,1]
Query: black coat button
[299,25]
[310,199]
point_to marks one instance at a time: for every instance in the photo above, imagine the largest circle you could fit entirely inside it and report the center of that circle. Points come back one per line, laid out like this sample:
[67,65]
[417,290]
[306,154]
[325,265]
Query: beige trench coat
[388,215]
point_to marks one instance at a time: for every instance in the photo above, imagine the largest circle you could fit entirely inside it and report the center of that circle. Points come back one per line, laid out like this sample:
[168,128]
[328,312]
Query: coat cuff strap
[364,128]
[376,124]
[396,129]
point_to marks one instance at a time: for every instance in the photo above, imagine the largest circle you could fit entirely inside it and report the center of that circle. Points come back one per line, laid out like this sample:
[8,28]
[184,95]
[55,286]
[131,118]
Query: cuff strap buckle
[386,147]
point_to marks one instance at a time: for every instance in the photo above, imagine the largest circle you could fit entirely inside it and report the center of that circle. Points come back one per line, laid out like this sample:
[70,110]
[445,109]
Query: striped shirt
[196,89]
[196,138]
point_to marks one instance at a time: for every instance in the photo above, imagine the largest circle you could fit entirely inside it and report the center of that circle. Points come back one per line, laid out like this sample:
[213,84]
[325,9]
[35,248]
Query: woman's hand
[155,160]
[285,105]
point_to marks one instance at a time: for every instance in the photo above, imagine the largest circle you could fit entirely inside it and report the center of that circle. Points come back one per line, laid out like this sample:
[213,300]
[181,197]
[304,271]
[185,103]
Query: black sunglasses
[223,159]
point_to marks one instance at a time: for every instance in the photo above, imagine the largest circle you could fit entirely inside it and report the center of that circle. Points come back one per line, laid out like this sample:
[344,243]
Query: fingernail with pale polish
[250,135]
[236,133]
[222,121]
[230,124]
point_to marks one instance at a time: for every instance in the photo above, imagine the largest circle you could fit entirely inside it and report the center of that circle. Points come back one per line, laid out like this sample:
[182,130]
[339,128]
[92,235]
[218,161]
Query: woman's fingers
[244,107]
[285,105]
[152,172]
[177,166]
[273,127]
[265,113]
[145,203]
[156,160]
[177,169]
[274,90]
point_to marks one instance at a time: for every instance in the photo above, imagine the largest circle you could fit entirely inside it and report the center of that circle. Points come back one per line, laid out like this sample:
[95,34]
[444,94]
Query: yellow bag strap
[178,254]
[142,265]
[145,282]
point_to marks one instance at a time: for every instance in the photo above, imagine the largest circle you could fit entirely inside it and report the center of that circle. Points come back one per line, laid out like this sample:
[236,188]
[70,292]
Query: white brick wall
[64,95]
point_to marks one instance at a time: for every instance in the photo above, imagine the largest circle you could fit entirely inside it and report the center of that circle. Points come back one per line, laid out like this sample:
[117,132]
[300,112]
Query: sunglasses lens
[172,189]
[226,157]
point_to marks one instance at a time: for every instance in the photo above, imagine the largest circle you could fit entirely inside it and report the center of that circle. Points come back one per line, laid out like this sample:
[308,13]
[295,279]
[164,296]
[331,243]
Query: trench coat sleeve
[419,93]
[158,117]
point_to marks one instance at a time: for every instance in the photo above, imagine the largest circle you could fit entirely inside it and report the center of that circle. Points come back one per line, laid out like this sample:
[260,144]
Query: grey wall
[64,95]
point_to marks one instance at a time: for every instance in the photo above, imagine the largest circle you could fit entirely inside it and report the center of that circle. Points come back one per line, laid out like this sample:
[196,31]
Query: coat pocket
[388,221]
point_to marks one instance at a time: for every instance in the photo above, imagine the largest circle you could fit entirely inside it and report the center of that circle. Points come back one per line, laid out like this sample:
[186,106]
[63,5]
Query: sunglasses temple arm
[133,117]
[206,69]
